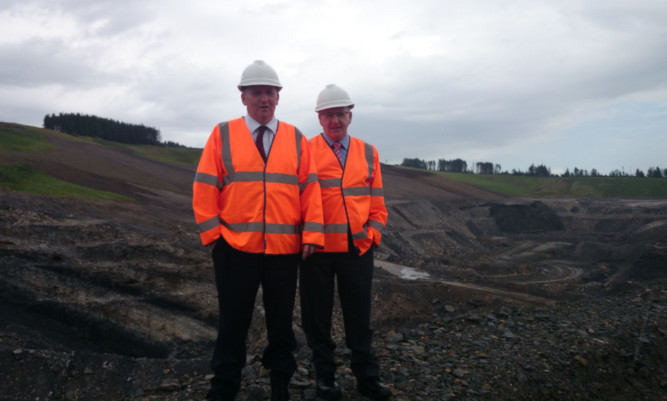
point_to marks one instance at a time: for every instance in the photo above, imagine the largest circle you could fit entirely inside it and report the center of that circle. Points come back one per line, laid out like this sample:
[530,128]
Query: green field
[22,140]
[558,187]
[25,178]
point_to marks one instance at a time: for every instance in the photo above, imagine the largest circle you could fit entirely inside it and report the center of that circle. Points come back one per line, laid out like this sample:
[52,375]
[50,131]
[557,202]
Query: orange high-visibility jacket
[258,207]
[352,196]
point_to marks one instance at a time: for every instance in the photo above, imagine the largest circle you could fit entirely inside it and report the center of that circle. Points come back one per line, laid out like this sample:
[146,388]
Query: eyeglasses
[339,115]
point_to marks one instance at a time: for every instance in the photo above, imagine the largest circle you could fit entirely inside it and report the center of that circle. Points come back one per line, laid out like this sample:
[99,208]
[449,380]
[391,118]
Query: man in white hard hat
[257,201]
[354,214]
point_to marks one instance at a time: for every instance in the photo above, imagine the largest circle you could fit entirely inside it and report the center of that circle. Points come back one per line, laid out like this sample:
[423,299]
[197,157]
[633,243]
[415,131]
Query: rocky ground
[514,299]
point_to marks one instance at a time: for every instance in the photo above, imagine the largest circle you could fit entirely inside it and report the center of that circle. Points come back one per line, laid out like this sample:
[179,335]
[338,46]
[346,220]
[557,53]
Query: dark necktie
[259,141]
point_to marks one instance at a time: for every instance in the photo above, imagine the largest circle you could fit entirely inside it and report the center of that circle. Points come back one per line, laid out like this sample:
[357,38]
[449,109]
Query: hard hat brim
[333,105]
[242,87]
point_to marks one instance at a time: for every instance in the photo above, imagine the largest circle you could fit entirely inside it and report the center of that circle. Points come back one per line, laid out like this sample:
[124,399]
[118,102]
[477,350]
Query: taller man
[354,214]
[257,200]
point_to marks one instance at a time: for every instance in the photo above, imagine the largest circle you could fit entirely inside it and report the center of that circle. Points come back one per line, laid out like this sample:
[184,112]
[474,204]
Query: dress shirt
[269,134]
[344,146]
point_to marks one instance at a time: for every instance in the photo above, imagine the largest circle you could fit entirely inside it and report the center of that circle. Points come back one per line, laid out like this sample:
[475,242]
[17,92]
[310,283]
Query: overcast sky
[561,83]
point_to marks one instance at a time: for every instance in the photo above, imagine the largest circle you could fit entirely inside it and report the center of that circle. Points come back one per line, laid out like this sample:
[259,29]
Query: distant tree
[416,163]
[78,124]
[459,166]
[539,171]
[618,173]
[173,144]
[580,172]
[452,166]
[542,171]
[484,168]
[654,172]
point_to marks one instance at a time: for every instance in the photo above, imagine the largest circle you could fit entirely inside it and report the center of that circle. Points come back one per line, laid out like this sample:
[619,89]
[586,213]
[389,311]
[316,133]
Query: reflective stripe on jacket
[352,197]
[258,207]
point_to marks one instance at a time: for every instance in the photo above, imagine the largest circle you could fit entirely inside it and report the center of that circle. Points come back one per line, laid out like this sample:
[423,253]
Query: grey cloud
[39,62]
[117,16]
[489,76]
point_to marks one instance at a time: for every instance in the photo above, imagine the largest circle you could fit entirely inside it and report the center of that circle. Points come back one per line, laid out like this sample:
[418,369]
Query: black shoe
[328,389]
[217,396]
[372,388]
[279,387]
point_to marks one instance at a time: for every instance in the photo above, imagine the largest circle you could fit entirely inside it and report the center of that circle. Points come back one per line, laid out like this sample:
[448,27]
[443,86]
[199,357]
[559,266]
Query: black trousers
[354,275]
[238,276]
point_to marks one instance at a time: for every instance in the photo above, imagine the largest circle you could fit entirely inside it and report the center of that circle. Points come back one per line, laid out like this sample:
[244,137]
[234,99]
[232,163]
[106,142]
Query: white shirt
[269,134]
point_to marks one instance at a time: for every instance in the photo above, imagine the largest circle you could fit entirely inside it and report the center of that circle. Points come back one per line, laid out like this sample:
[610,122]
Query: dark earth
[477,296]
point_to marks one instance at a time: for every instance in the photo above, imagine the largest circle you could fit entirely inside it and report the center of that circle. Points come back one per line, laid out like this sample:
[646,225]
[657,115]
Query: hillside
[515,298]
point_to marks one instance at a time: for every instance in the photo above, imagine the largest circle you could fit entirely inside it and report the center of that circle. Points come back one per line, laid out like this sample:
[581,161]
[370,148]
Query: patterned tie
[259,141]
[336,149]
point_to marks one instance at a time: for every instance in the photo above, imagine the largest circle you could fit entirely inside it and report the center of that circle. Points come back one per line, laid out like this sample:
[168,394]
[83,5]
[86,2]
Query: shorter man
[354,213]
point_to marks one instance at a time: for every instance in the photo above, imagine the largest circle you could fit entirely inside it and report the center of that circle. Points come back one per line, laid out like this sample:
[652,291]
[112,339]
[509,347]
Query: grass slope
[26,178]
[18,140]
[559,187]
[165,154]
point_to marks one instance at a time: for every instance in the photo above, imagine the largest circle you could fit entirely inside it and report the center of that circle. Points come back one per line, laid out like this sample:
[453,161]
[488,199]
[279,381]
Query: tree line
[111,130]
[461,166]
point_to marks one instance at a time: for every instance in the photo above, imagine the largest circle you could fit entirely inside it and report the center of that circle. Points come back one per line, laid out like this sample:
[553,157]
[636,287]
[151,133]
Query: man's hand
[308,250]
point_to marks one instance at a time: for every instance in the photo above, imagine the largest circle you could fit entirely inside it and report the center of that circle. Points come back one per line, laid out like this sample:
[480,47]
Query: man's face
[335,121]
[261,101]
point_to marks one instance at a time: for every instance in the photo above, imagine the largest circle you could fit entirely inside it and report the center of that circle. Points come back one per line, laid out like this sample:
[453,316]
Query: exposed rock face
[518,299]
[522,218]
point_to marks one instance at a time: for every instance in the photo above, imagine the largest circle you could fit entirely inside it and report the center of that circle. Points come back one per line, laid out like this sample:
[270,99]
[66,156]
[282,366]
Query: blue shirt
[344,146]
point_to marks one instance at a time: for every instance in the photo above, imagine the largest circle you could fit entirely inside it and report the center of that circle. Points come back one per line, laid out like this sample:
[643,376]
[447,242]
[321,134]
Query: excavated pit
[122,293]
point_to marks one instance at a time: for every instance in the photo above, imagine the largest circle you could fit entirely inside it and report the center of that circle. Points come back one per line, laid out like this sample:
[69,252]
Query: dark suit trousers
[238,276]
[354,275]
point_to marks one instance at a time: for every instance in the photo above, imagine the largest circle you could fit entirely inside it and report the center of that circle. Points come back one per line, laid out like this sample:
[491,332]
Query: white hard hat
[259,73]
[333,96]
